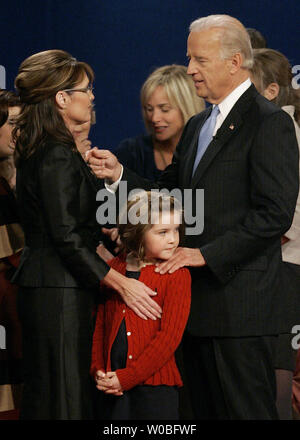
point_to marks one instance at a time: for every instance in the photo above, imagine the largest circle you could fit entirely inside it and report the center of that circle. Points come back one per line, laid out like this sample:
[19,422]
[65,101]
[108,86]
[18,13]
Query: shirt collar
[226,105]
[290,109]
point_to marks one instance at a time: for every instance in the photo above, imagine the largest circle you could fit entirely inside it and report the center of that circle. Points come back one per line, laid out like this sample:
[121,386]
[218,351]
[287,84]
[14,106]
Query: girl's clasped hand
[108,383]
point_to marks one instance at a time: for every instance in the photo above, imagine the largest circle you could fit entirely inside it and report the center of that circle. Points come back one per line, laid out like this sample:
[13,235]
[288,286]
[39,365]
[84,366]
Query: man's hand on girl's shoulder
[182,257]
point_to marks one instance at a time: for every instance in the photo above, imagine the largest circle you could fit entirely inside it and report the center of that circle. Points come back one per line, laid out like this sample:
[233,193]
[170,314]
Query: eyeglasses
[88,89]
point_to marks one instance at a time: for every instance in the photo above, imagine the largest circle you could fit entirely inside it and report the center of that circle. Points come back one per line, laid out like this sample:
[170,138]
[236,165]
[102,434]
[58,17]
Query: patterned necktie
[206,135]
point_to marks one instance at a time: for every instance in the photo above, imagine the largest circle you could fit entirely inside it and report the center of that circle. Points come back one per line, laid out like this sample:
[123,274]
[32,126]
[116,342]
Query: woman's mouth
[160,129]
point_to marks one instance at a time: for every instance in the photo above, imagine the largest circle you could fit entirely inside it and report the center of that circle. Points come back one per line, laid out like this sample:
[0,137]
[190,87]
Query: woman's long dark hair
[39,78]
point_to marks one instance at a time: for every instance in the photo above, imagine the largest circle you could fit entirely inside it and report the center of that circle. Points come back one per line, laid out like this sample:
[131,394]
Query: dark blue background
[124,40]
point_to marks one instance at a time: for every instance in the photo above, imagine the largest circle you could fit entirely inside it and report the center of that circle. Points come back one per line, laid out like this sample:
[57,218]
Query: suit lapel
[192,150]
[227,130]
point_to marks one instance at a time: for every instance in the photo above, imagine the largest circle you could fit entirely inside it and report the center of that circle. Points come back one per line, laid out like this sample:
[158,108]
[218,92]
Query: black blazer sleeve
[61,182]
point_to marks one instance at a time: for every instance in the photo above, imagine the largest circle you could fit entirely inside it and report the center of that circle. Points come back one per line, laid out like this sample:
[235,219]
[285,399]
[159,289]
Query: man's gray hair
[233,36]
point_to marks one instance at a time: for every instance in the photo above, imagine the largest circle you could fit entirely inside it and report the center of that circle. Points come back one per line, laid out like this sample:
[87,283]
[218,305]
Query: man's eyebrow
[199,57]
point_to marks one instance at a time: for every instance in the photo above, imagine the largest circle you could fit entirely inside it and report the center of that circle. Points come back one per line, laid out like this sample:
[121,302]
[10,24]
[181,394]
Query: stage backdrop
[124,40]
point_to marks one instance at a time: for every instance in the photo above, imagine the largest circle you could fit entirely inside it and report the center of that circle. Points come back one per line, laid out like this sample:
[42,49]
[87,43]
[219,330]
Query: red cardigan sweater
[151,344]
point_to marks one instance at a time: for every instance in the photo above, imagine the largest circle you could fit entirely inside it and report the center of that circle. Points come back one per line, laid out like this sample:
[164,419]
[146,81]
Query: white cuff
[114,186]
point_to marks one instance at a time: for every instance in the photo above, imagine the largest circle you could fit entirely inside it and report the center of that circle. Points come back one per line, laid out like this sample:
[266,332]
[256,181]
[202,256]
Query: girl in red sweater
[133,360]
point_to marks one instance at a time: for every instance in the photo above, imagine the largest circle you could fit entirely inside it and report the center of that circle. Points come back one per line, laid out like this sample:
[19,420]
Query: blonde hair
[271,66]
[179,88]
[150,203]
[233,36]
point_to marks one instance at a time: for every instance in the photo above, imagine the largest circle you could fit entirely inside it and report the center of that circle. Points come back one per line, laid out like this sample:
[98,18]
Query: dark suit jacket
[249,174]
[57,195]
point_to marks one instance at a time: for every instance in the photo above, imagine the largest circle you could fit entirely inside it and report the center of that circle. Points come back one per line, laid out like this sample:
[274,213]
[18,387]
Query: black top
[8,205]
[118,355]
[137,154]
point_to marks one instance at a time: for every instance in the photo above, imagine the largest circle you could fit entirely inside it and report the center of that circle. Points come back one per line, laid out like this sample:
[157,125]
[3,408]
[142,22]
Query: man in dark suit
[243,153]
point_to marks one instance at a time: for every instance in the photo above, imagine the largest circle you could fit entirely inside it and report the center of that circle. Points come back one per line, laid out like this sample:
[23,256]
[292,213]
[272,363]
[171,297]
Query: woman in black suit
[60,271]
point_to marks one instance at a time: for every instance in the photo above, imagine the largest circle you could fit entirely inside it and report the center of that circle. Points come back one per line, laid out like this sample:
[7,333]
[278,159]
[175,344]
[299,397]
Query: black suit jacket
[56,195]
[249,174]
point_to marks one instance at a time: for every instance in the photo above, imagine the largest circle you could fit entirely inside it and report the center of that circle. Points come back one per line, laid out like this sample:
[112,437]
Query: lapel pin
[231,127]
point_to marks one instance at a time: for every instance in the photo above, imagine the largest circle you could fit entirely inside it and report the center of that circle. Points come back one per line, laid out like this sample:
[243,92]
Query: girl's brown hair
[271,66]
[39,78]
[149,205]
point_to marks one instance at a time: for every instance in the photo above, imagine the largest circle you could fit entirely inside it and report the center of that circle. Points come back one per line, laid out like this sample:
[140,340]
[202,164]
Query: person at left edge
[59,271]
[11,245]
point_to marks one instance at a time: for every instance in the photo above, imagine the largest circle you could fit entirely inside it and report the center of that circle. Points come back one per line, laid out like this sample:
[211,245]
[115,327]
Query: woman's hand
[135,294]
[104,164]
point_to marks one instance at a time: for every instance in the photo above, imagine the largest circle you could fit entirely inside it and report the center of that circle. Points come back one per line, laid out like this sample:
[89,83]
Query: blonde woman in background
[168,100]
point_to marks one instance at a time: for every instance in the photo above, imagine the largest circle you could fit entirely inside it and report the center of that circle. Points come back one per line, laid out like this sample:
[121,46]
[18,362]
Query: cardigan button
[123,310]
[130,356]
[128,333]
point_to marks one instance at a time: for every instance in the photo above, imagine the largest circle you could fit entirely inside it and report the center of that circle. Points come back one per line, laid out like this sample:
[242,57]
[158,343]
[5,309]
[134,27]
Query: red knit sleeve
[98,362]
[98,343]
[176,309]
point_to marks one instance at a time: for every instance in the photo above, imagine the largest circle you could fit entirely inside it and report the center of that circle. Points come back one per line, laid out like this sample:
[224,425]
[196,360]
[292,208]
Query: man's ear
[272,91]
[236,62]
[61,99]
